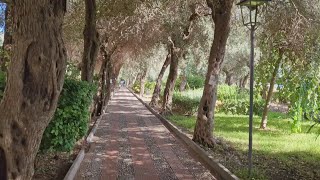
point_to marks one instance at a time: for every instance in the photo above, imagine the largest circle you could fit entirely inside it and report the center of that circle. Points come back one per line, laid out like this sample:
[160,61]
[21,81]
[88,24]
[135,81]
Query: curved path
[131,143]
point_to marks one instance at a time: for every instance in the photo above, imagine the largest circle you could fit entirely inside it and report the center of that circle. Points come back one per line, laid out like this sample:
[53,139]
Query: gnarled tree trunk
[102,87]
[264,119]
[157,88]
[35,80]
[104,92]
[173,74]
[204,126]
[143,81]
[91,42]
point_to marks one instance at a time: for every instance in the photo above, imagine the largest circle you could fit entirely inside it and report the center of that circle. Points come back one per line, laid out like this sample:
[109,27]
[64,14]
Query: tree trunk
[168,91]
[109,83]
[244,81]
[91,42]
[264,92]
[102,88]
[228,78]
[204,126]
[157,88]
[104,93]
[143,81]
[35,80]
[183,83]
[7,41]
[264,120]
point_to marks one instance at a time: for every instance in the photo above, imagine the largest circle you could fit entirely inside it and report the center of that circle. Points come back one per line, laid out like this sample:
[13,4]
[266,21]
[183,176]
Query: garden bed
[54,166]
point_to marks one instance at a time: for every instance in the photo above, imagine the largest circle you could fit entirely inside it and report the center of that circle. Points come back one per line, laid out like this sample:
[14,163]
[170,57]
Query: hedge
[232,100]
[70,121]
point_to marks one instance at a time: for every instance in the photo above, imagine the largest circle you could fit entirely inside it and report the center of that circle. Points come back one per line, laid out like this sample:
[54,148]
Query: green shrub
[136,87]
[195,81]
[149,86]
[2,83]
[70,122]
[187,102]
[241,106]
[177,84]
[232,100]
[280,97]
[226,92]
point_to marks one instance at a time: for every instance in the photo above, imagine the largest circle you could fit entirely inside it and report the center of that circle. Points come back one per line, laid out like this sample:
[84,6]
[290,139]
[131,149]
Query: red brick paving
[154,153]
[112,152]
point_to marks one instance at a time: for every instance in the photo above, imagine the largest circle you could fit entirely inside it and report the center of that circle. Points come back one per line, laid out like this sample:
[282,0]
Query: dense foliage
[231,100]
[148,87]
[193,82]
[2,83]
[187,102]
[70,122]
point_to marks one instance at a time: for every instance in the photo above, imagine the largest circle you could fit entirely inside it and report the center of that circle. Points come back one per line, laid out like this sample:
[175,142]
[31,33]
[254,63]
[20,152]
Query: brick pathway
[131,143]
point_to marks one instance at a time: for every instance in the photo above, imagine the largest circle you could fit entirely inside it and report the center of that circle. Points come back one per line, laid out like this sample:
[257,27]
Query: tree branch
[199,11]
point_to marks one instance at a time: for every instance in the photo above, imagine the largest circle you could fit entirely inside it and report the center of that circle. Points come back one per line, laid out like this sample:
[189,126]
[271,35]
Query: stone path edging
[222,171]
[77,162]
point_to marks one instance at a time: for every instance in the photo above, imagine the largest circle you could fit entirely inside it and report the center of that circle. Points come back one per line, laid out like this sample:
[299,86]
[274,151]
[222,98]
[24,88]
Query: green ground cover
[278,153]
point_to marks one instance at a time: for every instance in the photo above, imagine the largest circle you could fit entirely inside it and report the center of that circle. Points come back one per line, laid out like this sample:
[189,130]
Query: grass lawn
[278,153]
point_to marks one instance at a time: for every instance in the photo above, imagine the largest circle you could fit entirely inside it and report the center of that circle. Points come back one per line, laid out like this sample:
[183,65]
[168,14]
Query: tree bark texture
[157,89]
[244,81]
[183,83]
[143,81]
[91,42]
[35,80]
[173,74]
[264,119]
[104,91]
[7,40]
[228,78]
[204,126]
[102,88]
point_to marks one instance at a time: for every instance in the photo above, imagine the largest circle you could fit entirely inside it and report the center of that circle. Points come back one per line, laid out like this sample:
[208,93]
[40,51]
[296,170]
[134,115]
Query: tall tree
[264,120]
[288,39]
[91,42]
[179,41]
[221,14]
[173,74]
[104,90]
[157,88]
[35,80]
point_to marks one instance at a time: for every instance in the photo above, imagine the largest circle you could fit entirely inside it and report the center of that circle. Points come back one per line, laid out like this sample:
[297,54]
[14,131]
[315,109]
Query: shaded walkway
[131,143]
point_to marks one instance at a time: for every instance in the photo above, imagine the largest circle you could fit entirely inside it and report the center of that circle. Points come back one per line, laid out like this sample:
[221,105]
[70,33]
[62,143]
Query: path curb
[221,171]
[77,162]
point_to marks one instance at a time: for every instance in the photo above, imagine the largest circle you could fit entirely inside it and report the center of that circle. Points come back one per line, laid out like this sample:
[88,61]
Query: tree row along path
[131,143]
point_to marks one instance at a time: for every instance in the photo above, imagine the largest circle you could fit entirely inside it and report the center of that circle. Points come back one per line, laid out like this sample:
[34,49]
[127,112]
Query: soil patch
[54,166]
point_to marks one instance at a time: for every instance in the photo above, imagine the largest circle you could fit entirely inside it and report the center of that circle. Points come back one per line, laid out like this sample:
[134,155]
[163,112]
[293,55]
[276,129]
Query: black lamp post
[249,13]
